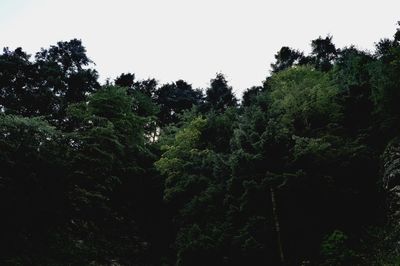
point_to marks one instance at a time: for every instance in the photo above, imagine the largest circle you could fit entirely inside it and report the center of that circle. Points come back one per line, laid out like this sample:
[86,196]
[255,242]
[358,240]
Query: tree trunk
[277,226]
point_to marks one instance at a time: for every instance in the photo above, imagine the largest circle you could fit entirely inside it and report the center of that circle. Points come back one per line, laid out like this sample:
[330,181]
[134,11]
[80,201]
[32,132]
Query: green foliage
[323,53]
[57,77]
[140,174]
[32,187]
[219,95]
[176,156]
[385,88]
[286,58]
[335,250]
[175,98]
[250,94]
[380,246]
[199,246]
[302,99]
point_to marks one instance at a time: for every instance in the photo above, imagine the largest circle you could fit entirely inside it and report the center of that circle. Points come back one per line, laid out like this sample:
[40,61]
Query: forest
[303,170]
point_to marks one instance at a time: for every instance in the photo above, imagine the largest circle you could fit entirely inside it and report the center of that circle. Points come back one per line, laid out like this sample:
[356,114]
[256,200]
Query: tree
[125,80]
[195,167]
[250,95]
[285,58]
[63,71]
[20,92]
[33,190]
[285,148]
[147,87]
[174,98]
[109,177]
[45,87]
[353,77]
[219,95]
[385,86]
[323,53]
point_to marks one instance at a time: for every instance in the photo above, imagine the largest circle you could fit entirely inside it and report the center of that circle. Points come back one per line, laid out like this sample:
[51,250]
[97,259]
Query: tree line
[303,170]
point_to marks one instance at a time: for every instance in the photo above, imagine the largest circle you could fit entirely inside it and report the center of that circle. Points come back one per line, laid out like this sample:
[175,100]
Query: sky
[193,39]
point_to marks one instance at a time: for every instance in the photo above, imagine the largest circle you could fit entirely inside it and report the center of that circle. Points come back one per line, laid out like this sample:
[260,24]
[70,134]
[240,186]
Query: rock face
[391,178]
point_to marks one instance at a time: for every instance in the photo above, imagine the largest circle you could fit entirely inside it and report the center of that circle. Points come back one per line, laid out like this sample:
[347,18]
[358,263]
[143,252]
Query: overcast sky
[193,39]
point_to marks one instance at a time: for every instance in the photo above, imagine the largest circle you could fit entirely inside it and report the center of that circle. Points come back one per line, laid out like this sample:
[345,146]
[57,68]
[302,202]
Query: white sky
[193,39]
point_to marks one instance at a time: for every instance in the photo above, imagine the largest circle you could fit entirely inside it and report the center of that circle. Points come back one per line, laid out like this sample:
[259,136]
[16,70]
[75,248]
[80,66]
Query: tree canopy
[303,169]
